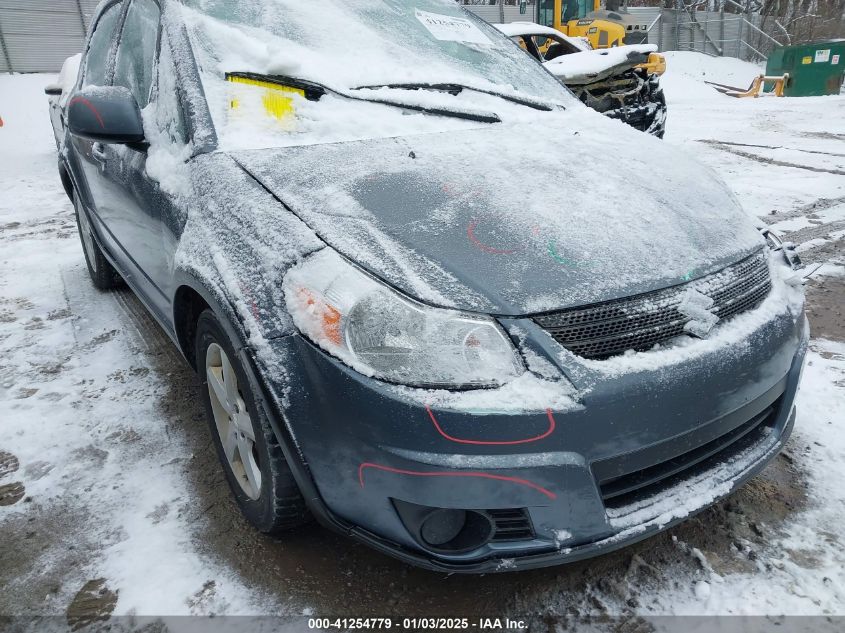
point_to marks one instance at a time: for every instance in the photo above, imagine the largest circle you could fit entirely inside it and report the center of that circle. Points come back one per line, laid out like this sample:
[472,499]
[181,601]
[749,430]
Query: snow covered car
[400,330]
[614,81]
[58,93]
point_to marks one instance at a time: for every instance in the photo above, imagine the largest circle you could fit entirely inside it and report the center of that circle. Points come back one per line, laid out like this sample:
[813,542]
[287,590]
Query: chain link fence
[744,36]
[747,36]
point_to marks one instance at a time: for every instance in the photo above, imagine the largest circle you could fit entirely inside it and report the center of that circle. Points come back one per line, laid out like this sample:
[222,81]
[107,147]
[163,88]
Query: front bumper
[648,117]
[634,97]
[639,454]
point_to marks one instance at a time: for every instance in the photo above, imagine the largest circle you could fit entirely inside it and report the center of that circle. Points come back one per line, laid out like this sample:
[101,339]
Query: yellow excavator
[604,26]
[604,23]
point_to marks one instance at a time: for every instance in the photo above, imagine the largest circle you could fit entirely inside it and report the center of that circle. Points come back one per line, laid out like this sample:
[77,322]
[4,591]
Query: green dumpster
[814,69]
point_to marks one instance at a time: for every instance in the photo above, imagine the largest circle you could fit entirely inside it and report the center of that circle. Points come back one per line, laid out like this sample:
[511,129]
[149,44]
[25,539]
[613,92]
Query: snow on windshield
[350,44]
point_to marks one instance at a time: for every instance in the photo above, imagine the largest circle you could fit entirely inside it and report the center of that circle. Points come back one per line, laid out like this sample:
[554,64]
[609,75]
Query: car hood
[589,66]
[514,219]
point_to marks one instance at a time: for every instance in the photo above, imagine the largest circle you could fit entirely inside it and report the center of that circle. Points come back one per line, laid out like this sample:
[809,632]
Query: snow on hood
[592,64]
[514,219]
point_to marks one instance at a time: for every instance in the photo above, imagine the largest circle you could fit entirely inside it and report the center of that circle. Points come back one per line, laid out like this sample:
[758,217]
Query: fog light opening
[455,531]
[446,530]
[442,526]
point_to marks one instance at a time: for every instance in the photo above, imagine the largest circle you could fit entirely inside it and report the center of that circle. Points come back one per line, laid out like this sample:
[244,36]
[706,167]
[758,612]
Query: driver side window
[97,57]
[169,115]
[136,53]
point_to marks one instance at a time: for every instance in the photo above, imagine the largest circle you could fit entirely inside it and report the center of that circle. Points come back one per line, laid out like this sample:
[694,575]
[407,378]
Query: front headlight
[381,333]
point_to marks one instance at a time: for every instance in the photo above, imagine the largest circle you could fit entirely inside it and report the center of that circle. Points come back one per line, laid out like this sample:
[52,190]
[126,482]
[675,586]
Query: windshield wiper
[313,91]
[456,89]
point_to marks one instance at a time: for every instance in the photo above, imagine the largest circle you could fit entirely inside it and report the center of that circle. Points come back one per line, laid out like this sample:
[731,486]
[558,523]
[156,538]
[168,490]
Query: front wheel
[252,459]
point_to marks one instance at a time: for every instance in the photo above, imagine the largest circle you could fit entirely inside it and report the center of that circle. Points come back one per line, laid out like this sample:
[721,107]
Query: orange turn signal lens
[329,316]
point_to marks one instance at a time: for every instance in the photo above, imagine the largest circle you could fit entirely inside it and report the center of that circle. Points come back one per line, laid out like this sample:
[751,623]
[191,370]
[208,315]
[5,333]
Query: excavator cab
[603,27]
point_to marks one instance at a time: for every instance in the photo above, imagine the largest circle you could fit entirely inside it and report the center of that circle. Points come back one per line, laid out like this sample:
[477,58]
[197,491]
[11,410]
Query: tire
[103,275]
[255,468]
[658,97]
[661,99]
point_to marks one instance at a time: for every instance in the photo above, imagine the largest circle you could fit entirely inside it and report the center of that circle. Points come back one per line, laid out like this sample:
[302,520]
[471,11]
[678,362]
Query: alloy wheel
[234,424]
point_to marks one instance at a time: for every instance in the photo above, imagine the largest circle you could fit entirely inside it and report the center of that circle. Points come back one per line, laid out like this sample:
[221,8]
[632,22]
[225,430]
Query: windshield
[383,67]
[345,44]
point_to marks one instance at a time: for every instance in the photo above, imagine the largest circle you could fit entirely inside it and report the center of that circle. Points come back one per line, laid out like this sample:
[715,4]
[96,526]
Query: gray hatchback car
[406,328]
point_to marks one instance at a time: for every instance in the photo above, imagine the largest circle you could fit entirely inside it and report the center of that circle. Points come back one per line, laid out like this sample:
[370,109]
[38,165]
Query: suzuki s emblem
[698,308]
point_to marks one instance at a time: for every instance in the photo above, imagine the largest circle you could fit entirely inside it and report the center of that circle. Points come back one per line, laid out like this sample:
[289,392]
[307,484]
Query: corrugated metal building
[37,35]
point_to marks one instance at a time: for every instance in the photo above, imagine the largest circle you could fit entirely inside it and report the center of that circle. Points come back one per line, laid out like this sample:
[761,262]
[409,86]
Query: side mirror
[106,115]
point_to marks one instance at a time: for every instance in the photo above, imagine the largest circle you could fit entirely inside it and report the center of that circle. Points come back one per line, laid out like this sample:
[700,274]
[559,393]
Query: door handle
[99,152]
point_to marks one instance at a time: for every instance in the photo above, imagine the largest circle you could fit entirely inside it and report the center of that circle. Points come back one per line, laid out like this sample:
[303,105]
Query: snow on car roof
[67,77]
[515,29]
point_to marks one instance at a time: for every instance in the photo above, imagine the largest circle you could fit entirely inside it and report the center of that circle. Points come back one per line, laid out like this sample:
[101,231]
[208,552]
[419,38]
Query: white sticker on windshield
[451,29]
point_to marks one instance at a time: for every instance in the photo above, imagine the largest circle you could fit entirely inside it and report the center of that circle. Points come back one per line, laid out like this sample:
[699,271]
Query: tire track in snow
[791,149]
[771,161]
[822,204]
[816,231]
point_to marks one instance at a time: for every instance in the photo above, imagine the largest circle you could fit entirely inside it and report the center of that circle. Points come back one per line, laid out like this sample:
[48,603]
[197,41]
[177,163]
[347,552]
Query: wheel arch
[188,304]
[191,297]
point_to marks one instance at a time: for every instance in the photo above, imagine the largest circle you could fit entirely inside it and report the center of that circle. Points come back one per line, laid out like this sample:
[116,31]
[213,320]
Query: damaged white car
[621,83]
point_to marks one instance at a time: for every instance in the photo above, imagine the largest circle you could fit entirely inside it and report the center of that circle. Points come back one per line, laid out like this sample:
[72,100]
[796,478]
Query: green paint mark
[688,276]
[563,260]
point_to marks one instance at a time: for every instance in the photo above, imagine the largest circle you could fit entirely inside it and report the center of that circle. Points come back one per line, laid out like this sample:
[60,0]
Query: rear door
[133,217]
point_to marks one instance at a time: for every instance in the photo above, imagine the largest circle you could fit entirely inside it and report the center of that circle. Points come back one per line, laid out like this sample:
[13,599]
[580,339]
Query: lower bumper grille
[511,525]
[630,488]
[602,330]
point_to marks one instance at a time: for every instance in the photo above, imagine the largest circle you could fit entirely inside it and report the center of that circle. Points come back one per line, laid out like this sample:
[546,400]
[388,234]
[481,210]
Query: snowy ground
[111,498]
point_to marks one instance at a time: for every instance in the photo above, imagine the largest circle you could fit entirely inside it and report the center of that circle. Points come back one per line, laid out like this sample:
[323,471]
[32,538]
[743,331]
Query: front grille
[639,323]
[511,525]
[630,488]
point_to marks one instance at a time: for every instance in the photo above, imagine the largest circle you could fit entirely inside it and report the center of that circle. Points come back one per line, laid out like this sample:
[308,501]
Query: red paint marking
[487,249]
[528,440]
[91,107]
[399,471]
